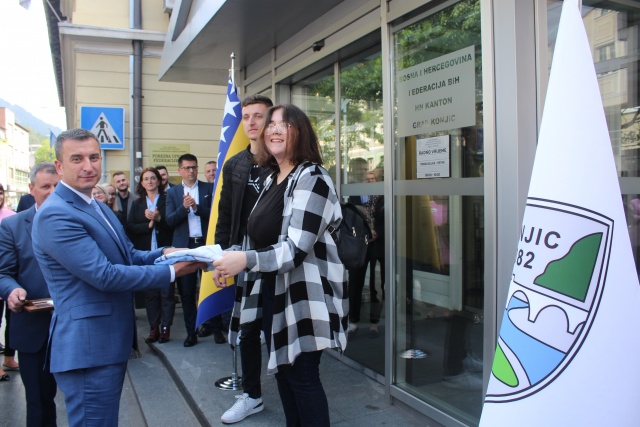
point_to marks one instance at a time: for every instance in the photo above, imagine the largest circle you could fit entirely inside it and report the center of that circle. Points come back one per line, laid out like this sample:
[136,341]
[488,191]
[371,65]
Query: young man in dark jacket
[242,183]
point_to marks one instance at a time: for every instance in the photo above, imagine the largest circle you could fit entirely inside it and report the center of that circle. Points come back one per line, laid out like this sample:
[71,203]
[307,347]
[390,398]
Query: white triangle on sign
[103,130]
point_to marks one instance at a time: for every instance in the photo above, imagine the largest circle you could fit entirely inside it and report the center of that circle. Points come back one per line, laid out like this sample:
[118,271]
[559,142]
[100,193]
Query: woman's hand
[219,281]
[231,263]
[152,215]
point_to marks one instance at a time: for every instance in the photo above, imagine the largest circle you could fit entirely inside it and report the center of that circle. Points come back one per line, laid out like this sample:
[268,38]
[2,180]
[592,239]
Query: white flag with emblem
[568,352]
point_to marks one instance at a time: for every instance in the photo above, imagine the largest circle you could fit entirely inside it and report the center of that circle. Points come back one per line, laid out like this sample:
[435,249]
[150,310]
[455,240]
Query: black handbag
[351,237]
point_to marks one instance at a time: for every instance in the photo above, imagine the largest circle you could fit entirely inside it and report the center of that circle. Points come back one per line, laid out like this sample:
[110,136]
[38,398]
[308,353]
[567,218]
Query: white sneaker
[243,407]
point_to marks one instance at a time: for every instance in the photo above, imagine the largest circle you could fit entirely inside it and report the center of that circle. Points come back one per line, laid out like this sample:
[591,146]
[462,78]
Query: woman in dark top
[289,271]
[149,230]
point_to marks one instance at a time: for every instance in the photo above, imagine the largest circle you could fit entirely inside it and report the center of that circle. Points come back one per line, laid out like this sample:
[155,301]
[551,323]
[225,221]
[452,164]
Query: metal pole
[234,382]
[232,70]
[105,174]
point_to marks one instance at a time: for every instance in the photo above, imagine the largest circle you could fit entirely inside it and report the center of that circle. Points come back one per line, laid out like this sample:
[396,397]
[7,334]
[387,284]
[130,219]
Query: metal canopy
[202,34]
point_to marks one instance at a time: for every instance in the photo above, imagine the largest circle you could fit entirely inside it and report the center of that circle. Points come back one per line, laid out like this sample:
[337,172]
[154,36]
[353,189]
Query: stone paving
[171,385]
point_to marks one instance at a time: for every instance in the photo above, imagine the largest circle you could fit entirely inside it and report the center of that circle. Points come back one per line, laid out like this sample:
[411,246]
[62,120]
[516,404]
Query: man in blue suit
[25,202]
[91,269]
[188,211]
[21,278]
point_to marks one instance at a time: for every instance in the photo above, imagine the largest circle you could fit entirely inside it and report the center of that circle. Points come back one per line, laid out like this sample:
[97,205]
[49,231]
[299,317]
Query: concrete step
[161,400]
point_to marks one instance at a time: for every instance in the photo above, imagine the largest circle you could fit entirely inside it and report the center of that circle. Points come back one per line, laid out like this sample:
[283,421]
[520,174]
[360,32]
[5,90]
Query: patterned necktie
[94,204]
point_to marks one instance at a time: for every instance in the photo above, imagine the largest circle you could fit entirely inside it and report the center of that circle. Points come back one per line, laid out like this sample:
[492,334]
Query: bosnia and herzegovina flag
[52,138]
[214,300]
[567,354]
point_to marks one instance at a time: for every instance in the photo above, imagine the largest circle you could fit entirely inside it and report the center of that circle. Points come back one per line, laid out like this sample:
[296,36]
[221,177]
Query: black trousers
[39,388]
[8,351]
[161,306]
[251,358]
[187,286]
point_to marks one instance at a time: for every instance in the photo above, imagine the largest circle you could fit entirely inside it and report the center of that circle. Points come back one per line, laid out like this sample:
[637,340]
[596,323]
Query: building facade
[14,158]
[108,57]
[441,100]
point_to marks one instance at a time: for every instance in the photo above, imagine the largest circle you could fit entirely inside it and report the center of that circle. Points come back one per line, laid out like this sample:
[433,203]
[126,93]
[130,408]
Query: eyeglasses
[190,168]
[279,128]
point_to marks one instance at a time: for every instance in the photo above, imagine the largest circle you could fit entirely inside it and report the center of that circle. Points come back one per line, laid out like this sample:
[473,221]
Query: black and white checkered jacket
[311,300]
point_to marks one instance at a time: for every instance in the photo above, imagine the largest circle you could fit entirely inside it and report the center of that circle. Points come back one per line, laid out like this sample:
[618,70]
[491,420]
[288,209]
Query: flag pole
[234,382]
[233,68]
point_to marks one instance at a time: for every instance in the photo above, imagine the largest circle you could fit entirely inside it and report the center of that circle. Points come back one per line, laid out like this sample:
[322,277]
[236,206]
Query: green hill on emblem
[571,274]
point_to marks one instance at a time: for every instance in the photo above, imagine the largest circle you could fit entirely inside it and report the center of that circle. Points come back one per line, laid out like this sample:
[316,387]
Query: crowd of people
[277,204]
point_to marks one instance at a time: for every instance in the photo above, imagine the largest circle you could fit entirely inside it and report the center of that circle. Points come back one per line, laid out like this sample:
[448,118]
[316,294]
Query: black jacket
[177,215]
[138,225]
[235,175]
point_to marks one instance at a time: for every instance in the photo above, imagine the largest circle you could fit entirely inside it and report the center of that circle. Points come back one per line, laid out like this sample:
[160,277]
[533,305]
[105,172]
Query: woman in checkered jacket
[292,277]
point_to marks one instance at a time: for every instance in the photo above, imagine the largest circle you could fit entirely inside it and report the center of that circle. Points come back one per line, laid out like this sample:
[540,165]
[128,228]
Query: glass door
[613,31]
[438,203]
[356,165]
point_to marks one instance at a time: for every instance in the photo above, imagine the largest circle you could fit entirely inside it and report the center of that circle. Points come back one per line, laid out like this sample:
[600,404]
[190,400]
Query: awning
[203,34]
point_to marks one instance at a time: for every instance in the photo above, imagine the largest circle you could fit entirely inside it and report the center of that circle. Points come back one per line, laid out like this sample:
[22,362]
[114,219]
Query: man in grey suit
[21,278]
[91,270]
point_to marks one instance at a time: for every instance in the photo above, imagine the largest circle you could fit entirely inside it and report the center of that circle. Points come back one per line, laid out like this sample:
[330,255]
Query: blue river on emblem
[537,358]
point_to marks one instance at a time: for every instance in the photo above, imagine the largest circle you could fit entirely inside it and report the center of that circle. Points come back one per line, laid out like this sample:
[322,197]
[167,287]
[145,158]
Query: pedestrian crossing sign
[106,123]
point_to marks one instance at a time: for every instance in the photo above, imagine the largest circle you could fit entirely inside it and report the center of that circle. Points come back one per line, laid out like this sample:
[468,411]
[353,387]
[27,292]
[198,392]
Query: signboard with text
[437,95]
[167,154]
[432,156]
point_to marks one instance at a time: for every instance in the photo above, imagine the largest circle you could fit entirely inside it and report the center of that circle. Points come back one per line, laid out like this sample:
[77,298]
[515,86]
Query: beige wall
[14,158]
[172,113]
[115,14]
[112,14]
[179,113]
[103,80]
[153,16]
[99,72]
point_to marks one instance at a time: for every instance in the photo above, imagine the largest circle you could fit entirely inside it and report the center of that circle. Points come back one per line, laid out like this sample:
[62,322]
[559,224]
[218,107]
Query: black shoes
[5,377]
[164,335]
[154,335]
[205,330]
[192,339]
[219,338]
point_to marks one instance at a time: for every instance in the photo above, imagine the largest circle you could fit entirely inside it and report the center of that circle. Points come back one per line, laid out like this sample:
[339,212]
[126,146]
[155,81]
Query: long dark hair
[4,198]
[140,190]
[302,142]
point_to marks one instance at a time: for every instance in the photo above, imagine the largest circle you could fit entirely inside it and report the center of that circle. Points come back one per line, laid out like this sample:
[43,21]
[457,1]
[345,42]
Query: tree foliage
[45,152]
[444,32]
[361,108]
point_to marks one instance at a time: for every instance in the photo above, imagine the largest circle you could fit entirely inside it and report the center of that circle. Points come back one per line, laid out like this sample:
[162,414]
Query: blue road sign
[106,123]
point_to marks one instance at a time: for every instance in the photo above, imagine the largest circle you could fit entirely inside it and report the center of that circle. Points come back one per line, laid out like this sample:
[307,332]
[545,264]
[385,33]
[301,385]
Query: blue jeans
[303,398]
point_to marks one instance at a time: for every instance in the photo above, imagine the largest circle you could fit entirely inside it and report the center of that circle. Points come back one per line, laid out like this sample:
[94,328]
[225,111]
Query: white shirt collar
[83,196]
[184,184]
